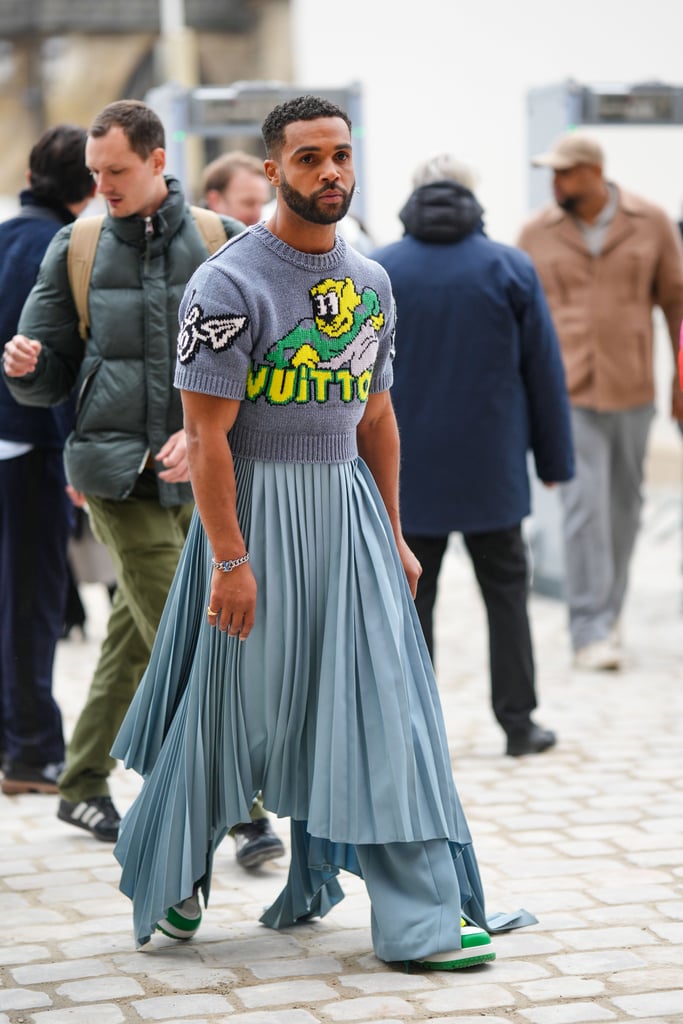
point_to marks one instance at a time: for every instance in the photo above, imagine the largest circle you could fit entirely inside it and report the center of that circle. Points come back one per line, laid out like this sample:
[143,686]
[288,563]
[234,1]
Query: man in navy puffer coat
[35,512]
[478,382]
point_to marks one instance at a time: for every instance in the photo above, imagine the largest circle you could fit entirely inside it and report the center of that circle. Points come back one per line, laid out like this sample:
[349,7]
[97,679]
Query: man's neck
[301,234]
[592,206]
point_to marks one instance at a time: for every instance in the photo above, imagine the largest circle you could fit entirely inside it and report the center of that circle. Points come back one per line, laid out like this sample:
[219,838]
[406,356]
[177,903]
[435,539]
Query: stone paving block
[672,909]
[22,999]
[557,922]
[656,858]
[266,1017]
[169,1008]
[16,868]
[615,817]
[42,880]
[454,997]
[21,954]
[247,951]
[391,981]
[259,996]
[38,974]
[193,977]
[481,1018]
[369,1008]
[608,938]
[107,1013]
[514,971]
[558,989]
[88,892]
[97,855]
[568,1013]
[295,968]
[97,944]
[597,962]
[111,986]
[639,893]
[670,932]
[620,914]
[652,1004]
[550,868]
[648,979]
[120,923]
[524,943]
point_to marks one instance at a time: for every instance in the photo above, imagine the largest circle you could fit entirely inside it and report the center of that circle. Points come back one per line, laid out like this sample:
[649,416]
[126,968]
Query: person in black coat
[35,512]
[478,383]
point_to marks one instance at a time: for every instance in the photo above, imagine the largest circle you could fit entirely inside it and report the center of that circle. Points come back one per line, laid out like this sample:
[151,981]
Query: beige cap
[571,150]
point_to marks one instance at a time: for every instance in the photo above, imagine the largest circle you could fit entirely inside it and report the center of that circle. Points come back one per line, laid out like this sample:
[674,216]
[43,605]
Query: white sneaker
[600,656]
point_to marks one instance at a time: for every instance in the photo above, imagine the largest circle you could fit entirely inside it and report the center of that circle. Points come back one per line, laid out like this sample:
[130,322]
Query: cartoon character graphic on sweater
[341,333]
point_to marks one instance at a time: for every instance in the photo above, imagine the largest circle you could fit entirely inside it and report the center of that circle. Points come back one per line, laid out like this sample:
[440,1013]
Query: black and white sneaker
[96,815]
[256,843]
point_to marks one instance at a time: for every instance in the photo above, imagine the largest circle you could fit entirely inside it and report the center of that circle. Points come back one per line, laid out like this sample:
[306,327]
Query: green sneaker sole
[181,922]
[468,959]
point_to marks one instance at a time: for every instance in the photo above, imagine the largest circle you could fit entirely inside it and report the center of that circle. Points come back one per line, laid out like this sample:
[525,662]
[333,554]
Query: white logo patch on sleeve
[215,332]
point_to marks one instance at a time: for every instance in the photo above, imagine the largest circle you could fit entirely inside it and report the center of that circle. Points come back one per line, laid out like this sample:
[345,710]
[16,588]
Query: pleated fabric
[330,707]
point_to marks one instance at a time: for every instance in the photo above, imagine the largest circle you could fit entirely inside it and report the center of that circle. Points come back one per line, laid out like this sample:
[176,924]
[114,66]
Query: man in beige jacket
[605,258]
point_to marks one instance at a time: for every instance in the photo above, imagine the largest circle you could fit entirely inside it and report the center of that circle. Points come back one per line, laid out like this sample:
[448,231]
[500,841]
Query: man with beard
[289,658]
[605,258]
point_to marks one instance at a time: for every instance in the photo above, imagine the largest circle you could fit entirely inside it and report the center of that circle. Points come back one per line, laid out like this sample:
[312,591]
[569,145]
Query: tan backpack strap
[211,228]
[85,234]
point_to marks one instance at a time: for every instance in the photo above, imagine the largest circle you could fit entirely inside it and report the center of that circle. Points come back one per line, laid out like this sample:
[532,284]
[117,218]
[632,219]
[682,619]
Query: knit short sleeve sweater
[300,339]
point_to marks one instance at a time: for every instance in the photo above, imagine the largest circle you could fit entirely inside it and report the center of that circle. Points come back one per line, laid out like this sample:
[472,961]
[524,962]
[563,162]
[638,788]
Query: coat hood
[441,211]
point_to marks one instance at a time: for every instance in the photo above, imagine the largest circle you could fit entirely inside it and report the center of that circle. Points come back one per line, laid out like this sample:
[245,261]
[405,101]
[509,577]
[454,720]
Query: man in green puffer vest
[126,454]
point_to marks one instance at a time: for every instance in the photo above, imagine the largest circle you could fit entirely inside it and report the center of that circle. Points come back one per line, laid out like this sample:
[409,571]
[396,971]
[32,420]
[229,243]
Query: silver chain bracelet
[230,564]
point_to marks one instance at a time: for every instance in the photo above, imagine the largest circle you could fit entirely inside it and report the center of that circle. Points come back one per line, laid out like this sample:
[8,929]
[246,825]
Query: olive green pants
[144,541]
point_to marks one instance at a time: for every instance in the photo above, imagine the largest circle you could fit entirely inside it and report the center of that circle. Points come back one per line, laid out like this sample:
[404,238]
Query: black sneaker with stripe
[96,815]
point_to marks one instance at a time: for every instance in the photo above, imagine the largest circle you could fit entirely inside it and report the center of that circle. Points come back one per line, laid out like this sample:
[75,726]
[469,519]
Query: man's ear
[158,158]
[272,169]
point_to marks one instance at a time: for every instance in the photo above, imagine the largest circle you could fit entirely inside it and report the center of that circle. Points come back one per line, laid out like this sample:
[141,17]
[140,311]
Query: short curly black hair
[57,171]
[300,108]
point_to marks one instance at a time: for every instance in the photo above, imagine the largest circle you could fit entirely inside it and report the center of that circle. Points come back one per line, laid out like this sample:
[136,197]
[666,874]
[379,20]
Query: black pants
[500,566]
[35,522]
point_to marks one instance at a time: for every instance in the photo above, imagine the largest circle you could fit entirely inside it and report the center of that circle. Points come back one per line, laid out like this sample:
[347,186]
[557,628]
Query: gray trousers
[602,506]
[415,898]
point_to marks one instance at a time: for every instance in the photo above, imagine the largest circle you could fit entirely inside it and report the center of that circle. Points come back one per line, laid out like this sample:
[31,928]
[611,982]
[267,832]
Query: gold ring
[210,611]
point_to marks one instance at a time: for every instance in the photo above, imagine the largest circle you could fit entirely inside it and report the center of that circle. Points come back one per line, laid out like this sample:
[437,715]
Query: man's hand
[232,604]
[20,356]
[77,497]
[173,454]
[411,565]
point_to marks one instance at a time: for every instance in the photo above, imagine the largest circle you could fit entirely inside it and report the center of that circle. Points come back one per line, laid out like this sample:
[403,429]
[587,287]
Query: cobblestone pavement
[588,836]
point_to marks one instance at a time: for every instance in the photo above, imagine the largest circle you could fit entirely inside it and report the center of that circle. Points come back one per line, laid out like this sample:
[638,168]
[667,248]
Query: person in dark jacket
[35,512]
[478,382]
[127,451]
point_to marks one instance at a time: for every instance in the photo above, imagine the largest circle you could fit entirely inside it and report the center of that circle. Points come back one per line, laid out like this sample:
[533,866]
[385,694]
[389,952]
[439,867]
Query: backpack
[85,235]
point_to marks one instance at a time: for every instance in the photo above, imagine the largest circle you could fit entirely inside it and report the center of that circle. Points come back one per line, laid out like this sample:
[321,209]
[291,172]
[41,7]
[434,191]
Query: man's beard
[569,203]
[306,206]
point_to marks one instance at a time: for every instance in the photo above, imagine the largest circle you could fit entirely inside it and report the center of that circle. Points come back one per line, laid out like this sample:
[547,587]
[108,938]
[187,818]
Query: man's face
[572,186]
[315,170]
[244,198]
[129,184]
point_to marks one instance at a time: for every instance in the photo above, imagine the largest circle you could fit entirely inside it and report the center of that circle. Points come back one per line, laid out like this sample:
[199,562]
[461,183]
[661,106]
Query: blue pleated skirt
[330,708]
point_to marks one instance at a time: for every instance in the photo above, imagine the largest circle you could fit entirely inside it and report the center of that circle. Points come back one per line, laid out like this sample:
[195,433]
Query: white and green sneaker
[476,949]
[183,920]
